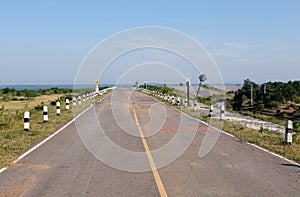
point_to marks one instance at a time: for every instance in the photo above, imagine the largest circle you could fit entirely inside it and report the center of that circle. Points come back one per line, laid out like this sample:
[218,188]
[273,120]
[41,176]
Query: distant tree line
[267,95]
[13,94]
[163,89]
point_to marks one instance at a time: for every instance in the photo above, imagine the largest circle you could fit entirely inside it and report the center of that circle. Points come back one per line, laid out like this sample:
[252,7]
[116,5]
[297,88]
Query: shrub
[296,126]
[39,107]
[7,97]
[261,106]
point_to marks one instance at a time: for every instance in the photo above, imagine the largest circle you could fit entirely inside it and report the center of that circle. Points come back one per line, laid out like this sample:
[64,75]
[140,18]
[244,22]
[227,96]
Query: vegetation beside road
[13,139]
[272,101]
[162,89]
[267,139]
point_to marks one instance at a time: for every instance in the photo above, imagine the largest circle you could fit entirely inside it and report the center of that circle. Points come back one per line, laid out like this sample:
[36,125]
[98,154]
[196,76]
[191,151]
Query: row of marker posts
[289,123]
[89,96]
[177,101]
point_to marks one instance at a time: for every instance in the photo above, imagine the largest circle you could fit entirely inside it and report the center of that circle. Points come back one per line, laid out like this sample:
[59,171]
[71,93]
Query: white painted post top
[289,124]
[26,114]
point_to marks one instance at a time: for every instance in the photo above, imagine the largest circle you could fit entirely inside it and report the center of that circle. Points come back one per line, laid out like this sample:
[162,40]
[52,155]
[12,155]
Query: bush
[272,104]
[39,107]
[261,106]
[8,90]
[7,97]
[30,93]
[296,126]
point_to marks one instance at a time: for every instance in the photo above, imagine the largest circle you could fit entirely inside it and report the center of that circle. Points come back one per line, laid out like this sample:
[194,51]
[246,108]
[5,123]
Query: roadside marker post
[222,111]
[45,113]
[83,98]
[211,111]
[26,120]
[67,104]
[74,101]
[178,101]
[58,108]
[195,106]
[79,100]
[185,103]
[289,131]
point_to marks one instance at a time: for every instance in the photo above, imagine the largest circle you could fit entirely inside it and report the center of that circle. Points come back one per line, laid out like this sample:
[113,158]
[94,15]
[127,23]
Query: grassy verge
[269,140]
[14,140]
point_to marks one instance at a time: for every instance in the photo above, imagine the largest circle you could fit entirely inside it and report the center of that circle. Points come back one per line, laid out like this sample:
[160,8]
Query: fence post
[45,113]
[26,121]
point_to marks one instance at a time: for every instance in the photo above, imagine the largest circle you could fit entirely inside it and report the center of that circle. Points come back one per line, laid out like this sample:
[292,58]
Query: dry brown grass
[14,140]
[28,104]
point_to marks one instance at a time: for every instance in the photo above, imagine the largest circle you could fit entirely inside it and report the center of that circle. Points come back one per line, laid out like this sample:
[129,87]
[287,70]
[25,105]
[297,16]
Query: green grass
[14,140]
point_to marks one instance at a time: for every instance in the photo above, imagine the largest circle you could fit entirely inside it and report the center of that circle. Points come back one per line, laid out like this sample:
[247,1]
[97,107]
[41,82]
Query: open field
[14,140]
[28,104]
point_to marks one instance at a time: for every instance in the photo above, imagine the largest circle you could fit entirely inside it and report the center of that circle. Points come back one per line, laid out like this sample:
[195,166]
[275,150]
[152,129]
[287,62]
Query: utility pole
[188,92]
[251,94]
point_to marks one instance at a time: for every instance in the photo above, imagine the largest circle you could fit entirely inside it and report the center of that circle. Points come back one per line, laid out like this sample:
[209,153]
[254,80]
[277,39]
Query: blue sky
[44,42]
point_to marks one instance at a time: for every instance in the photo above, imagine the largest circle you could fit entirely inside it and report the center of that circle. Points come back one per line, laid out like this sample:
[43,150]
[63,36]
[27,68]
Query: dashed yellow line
[158,181]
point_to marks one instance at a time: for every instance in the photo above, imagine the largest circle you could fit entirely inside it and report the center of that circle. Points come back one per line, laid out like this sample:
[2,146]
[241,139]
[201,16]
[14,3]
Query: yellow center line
[158,181]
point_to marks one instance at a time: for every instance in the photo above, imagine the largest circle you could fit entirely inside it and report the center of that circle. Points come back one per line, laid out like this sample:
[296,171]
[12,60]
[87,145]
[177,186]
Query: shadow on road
[290,165]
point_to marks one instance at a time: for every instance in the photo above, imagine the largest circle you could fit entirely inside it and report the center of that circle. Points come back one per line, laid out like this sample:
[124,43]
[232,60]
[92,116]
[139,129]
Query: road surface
[63,166]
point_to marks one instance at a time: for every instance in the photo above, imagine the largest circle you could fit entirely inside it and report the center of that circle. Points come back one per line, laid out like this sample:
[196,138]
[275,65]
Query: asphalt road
[64,166]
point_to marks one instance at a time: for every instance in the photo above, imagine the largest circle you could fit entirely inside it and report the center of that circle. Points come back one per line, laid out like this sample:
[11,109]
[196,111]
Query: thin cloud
[241,45]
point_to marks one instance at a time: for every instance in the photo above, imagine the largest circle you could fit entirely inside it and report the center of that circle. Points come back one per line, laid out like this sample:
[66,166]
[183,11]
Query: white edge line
[2,170]
[47,139]
[52,135]
[228,134]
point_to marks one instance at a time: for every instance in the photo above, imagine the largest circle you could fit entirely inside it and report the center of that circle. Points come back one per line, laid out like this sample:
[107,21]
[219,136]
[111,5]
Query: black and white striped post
[45,113]
[222,111]
[178,101]
[26,121]
[57,108]
[83,98]
[74,101]
[79,100]
[195,106]
[211,111]
[173,100]
[67,104]
[289,131]
[185,103]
